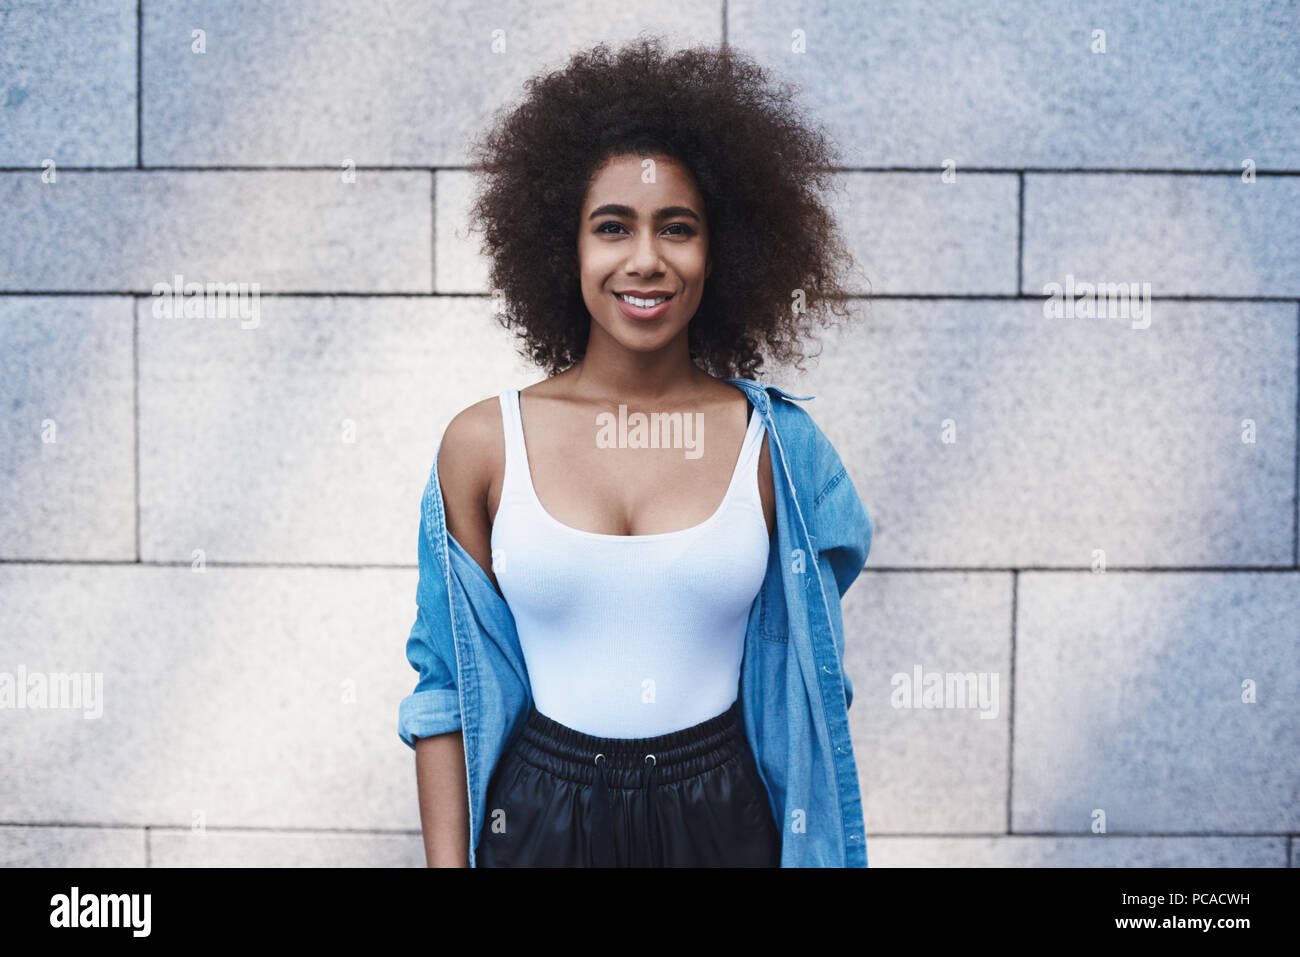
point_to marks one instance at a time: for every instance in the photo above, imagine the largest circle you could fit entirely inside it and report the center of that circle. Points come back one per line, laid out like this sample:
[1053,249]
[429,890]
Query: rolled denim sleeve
[843,541]
[434,706]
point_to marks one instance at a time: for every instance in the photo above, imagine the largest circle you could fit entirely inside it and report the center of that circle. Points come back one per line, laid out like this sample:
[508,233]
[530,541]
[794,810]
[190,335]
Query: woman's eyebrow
[627,212]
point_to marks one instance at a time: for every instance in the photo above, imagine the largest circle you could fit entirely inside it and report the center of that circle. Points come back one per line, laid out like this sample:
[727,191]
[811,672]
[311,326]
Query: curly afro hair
[778,257]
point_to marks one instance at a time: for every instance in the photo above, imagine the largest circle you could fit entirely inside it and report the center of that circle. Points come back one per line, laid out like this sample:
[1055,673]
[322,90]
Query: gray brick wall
[220,520]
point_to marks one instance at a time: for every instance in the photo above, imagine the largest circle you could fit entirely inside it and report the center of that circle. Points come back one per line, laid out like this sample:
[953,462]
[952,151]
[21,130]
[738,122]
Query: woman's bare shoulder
[474,429]
[472,449]
[475,436]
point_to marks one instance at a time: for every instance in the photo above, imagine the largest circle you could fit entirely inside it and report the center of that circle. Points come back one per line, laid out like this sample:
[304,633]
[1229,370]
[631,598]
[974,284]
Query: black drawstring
[602,824]
[651,812]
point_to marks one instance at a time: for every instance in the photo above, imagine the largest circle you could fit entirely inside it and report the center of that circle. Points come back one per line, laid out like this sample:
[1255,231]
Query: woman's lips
[637,312]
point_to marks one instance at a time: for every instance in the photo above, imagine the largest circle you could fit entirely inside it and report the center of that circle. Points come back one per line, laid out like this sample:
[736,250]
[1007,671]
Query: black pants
[690,798]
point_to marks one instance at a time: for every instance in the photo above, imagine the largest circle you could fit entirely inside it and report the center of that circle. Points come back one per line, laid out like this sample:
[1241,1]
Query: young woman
[629,638]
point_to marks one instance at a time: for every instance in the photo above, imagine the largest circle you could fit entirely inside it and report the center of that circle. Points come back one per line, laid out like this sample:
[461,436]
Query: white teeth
[643,303]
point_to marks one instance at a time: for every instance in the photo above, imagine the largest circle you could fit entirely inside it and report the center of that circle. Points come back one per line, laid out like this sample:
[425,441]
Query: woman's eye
[685,230]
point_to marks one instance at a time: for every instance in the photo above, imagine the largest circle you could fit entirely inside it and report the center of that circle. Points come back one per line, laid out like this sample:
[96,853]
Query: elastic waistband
[571,754]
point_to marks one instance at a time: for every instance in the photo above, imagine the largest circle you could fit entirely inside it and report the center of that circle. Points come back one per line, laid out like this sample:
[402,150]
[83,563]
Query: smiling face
[649,239]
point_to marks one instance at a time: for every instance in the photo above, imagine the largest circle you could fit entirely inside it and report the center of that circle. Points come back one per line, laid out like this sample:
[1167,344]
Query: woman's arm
[444,801]
[466,459]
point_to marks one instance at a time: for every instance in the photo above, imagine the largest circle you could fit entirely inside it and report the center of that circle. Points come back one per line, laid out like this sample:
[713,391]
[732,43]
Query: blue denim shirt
[795,694]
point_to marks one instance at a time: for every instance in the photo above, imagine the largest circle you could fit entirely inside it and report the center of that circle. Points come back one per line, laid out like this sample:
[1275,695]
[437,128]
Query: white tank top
[629,636]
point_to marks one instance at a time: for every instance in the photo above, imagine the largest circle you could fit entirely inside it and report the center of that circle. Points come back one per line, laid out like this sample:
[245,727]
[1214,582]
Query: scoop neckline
[753,425]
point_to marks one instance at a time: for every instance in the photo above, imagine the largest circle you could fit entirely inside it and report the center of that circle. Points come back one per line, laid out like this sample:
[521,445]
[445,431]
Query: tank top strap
[751,449]
[516,458]
[753,437]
